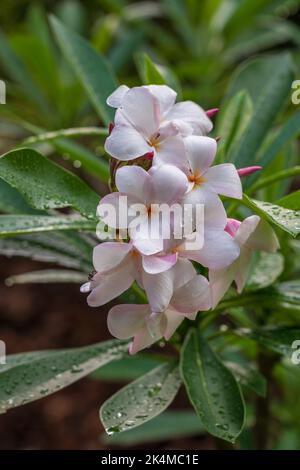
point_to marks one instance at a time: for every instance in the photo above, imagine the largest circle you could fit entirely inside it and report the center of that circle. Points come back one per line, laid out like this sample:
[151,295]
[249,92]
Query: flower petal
[242,269]
[134,180]
[110,285]
[165,96]
[193,114]
[193,296]
[201,152]
[174,319]
[184,271]
[263,238]
[124,321]
[220,281]
[219,250]
[224,179]
[246,229]
[158,263]
[126,143]
[108,255]
[171,151]
[215,217]
[159,289]
[232,226]
[169,184]
[142,340]
[115,99]
[141,108]
[114,209]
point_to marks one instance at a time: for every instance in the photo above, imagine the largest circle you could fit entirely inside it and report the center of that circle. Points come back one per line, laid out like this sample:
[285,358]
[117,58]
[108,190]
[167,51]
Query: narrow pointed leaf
[20,224]
[212,389]
[289,131]
[141,400]
[286,219]
[291,201]
[268,102]
[45,185]
[59,248]
[162,428]
[46,276]
[26,378]
[279,340]
[267,269]
[248,377]
[11,201]
[91,68]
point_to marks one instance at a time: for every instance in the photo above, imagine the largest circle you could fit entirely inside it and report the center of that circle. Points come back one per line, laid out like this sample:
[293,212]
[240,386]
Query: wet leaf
[141,400]
[162,428]
[249,377]
[286,219]
[279,340]
[212,389]
[267,269]
[46,276]
[45,185]
[20,224]
[28,377]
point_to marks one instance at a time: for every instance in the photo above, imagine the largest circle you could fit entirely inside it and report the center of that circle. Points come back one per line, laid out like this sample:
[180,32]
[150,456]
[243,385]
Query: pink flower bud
[212,112]
[248,170]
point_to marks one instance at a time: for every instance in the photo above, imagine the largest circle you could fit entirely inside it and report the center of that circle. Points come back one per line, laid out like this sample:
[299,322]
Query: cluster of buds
[161,157]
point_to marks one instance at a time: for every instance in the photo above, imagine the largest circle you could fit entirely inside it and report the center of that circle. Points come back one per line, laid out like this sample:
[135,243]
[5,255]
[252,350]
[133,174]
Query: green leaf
[268,101]
[46,276]
[45,185]
[287,294]
[128,368]
[141,400]
[18,72]
[268,268]
[28,377]
[288,131]
[232,122]
[63,249]
[155,74]
[279,340]
[19,224]
[12,202]
[212,389]
[286,219]
[248,377]
[162,428]
[291,201]
[91,68]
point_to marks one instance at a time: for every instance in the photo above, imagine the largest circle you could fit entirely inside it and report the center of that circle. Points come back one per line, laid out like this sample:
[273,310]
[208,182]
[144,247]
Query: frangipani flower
[118,265]
[207,182]
[252,234]
[145,191]
[147,326]
[148,120]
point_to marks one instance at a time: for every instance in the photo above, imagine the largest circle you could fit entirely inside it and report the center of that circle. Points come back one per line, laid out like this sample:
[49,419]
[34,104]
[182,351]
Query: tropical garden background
[241,56]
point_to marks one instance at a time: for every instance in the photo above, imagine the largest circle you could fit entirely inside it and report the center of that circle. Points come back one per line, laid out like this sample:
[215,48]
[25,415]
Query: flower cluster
[172,139]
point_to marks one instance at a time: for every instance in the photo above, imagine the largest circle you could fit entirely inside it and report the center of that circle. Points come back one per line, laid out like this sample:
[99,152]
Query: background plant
[47,102]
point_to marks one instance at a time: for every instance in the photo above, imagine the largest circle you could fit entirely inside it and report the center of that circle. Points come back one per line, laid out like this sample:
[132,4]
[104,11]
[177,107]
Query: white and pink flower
[174,136]
[147,325]
[253,234]
[148,120]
